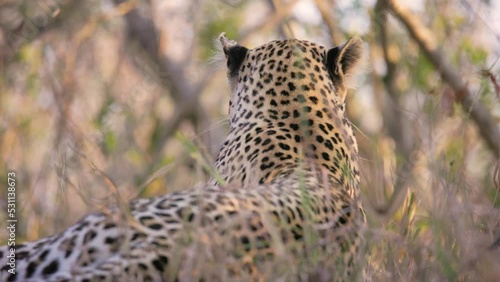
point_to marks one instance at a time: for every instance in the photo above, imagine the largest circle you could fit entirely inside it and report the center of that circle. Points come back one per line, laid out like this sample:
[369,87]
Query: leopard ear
[342,60]
[235,54]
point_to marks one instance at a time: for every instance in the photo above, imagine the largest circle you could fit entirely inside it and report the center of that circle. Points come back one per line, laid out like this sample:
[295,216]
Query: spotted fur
[290,189]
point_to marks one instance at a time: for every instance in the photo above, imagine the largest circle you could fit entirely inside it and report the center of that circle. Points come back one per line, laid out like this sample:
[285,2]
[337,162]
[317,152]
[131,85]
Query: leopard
[284,205]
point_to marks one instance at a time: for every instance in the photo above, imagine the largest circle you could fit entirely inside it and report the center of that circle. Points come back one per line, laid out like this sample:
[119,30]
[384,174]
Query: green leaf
[477,55]
[423,71]
[110,142]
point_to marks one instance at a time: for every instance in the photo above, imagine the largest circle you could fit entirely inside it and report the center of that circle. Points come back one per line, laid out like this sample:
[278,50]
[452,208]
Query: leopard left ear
[235,54]
[342,60]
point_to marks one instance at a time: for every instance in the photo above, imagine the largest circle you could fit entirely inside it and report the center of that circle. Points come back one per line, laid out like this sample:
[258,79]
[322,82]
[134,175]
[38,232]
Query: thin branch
[276,8]
[488,128]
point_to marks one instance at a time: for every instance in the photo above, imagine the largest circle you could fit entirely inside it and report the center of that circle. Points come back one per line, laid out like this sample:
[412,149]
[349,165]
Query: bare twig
[276,8]
[494,81]
[488,128]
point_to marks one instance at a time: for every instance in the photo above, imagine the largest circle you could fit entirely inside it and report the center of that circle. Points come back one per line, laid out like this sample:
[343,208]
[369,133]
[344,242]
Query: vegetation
[107,100]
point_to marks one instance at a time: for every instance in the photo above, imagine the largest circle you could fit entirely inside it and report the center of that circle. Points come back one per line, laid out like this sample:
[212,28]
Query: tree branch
[183,91]
[488,129]
[397,123]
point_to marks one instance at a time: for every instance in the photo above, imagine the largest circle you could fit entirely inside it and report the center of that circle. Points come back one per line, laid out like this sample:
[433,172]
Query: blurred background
[100,99]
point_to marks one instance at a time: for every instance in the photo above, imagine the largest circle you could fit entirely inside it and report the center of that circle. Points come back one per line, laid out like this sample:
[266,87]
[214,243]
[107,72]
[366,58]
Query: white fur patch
[353,78]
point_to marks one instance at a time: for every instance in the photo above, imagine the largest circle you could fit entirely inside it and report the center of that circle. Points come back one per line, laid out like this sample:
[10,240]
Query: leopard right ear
[235,54]
[342,60]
